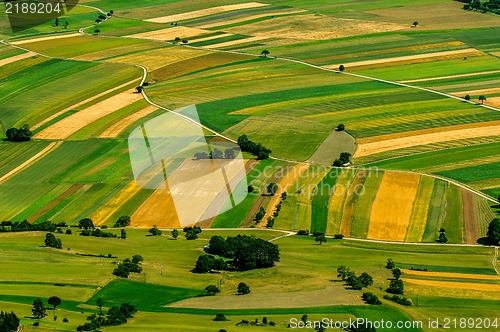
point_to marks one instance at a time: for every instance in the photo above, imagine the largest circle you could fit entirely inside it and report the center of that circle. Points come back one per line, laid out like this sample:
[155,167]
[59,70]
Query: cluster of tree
[210,290]
[8,321]
[398,300]
[100,233]
[442,236]
[216,154]
[396,286]
[246,252]
[115,316]
[264,322]
[22,134]
[370,298]
[355,282]
[492,6]
[178,39]
[208,263]
[129,265]
[52,241]
[345,158]
[260,215]
[256,149]
[154,231]
[102,18]
[192,232]
[493,234]
[123,221]
[25,226]
[86,223]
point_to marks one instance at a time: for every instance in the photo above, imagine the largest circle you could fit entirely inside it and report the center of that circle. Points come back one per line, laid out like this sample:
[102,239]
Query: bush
[243,288]
[396,287]
[212,289]
[370,298]
[390,264]
[398,300]
[69,232]
[338,163]
[341,127]
[154,231]
[338,236]
[65,320]
[123,221]
[220,318]
[303,232]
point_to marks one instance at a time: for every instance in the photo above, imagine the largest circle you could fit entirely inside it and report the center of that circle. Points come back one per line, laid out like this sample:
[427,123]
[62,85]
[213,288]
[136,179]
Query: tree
[139,89]
[341,127]
[415,24]
[123,221]
[338,163]
[345,157]
[97,31]
[54,301]
[442,238]
[396,273]
[390,264]
[320,239]
[184,41]
[366,279]
[191,235]
[396,287]
[22,134]
[220,318]
[175,234]
[115,316]
[176,40]
[137,259]
[86,223]
[243,289]
[217,154]
[229,154]
[38,309]
[467,97]
[265,53]
[370,298]
[100,304]
[272,188]
[250,189]
[154,231]
[341,68]
[482,99]
[123,234]
[69,232]
[8,321]
[342,272]
[204,264]
[493,233]
[52,241]
[354,282]
[66,24]
[304,319]
[219,264]
[218,246]
[56,22]
[283,195]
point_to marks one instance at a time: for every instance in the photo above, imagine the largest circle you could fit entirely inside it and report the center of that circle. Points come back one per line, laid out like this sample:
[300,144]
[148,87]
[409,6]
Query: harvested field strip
[238,41]
[69,192]
[430,56]
[351,202]
[437,211]
[36,40]
[103,213]
[197,40]
[470,217]
[451,275]
[118,127]
[283,186]
[52,117]
[420,210]
[473,93]
[170,33]
[337,200]
[323,194]
[15,58]
[390,214]
[451,76]
[71,124]
[264,198]
[454,220]
[454,285]
[119,51]
[30,161]
[484,215]
[250,18]
[405,142]
[204,12]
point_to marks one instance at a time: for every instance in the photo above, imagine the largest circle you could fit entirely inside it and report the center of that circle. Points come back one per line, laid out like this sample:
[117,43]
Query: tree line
[492,6]
[257,149]
[216,154]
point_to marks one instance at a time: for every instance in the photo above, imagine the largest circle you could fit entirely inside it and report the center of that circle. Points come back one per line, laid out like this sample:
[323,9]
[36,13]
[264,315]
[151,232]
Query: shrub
[69,232]
[243,288]
[398,300]
[390,264]
[303,232]
[338,236]
[396,287]
[65,320]
[220,318]
[370,298]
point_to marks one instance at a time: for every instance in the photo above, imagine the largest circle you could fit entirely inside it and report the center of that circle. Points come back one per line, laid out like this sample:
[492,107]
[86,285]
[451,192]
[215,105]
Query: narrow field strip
[30,161]
[337,200]
[351,202]
[404,58]
[250,17]
[451,275]
[455,285]
[36,40]
[470,220]
[390,214]
[15,58]
[476,92]
[437,213]
[210,38]
[204,12]
[52,204]
[72,107]
[321,199]
[450,76]
[170,33]
[406,142]
[420,210]
[239,41]
[101,215]
[117,128]
[73,123]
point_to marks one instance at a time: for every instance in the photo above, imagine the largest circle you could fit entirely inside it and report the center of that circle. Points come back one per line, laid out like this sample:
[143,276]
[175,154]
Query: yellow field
[390,214]
[36,40]
[477,92]
[250,17]
[117,51]
[455,285]
[101,215]
[73,123]
[236,42]
[379,145]
[286,182]
[350,202]
[451,275]
[408,58]
[337,201]
[15,58]
[170,33]
[120,126]
[75,106]
[204,12]
[210,38]
[451,76]
[420,211]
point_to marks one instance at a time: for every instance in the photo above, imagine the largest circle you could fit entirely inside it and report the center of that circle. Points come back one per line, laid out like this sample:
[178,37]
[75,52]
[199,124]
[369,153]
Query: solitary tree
[250,189]
[341,68]
[320,239]
[52,241]
[184,41]
[467,97]
[100,304]
[38,309]
[154,231]
[265,53]
[66,24]
[176,40]
[341,127]
[175,234]
[97,31]
[54,301]
[442,238]
[482,99]
[272,188]
[139,89]
[415,24]
[123,221]
[243,288]
[493,233]
[56,23]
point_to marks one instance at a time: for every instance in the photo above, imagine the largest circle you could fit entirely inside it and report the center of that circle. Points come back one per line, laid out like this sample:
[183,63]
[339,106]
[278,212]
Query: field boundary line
[30,161]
